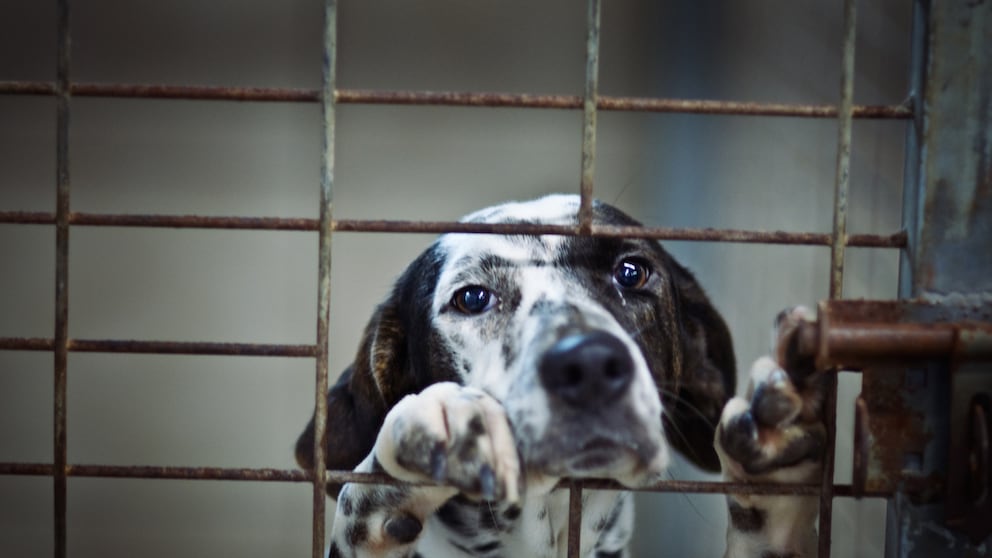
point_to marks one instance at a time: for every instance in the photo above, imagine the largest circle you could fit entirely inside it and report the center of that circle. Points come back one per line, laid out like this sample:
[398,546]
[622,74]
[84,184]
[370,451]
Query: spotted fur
[573,357]
[774,434]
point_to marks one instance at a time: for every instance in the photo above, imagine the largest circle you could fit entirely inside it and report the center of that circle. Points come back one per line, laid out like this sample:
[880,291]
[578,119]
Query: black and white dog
[502,364]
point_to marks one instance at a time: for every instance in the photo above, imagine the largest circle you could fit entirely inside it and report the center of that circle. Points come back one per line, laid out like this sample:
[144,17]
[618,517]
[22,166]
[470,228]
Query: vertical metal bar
[324,277]
[838,242]
[61,341]
[574,519]
[842,179]
[585,213]
[589,116]
[911,210]
[948,216]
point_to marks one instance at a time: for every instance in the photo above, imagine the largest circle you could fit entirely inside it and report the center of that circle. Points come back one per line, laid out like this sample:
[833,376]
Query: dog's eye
[631,273]
[473,300]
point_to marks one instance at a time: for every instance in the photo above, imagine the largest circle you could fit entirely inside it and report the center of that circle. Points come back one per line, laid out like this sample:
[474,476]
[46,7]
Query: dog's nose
[587,369]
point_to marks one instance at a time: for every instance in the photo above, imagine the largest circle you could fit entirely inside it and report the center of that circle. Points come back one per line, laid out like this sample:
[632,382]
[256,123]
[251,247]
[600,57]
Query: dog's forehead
[463,251]
[554,209]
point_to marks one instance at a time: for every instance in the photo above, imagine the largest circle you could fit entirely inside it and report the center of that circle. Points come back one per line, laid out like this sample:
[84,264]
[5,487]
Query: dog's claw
[487,482]
[404,529]
[439,462]
[454,436]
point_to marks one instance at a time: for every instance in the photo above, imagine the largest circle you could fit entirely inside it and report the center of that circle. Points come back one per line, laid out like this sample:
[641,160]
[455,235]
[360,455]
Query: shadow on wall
[153,156]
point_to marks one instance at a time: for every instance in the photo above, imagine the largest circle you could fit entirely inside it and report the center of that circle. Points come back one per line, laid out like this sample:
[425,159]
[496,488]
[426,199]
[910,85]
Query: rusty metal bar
[837,245]
[26,344]
[27,88]
[196,221]
[191,348]
[574,519]
[188,473]
[61,340]
[341,477]
[856,333]
[455,98]
[329,76]
[193,92]
[849,343]
[843,172]
[894,240]
[458,99]
[827,488]
[159,347]
[589,105]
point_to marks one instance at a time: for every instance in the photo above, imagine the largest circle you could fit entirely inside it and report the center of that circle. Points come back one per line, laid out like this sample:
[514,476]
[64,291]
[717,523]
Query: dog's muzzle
[588,409]
[587,369]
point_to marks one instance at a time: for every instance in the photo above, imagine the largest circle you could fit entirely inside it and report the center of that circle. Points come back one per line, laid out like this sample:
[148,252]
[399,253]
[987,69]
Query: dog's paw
[776,433]
[454,435]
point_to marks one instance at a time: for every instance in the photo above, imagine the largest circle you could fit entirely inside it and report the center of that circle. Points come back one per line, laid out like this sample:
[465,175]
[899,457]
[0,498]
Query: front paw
[455,435]
[777,432]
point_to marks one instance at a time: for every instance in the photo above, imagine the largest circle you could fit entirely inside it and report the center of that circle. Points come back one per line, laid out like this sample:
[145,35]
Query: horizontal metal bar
[744,108]
[160,347]
[196,222]
[164,221]
[340,477]
[856,333]
[158,472]
[454,98]
[894,240]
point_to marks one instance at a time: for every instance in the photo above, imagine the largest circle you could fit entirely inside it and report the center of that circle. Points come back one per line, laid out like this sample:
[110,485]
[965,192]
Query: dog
[499,365]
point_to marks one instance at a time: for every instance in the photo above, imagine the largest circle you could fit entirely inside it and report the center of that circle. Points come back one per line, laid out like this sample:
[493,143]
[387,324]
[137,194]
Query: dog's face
[596,347]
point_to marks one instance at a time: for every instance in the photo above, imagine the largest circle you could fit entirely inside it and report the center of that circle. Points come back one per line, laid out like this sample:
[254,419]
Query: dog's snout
[587,369]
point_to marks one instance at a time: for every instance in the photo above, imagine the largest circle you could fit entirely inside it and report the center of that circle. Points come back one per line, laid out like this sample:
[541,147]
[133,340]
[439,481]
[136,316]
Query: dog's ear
[705,370]
[357,403]
[389,365]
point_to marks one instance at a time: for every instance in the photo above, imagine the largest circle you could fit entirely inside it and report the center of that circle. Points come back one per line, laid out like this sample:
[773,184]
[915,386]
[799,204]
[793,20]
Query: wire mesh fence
[63,219]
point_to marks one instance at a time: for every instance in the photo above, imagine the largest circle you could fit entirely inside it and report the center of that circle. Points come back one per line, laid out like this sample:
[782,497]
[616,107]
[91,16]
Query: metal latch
[924,416]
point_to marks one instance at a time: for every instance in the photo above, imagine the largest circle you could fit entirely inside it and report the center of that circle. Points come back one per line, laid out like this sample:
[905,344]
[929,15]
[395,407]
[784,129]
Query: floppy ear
[357,404]
[707,376]
[389,365]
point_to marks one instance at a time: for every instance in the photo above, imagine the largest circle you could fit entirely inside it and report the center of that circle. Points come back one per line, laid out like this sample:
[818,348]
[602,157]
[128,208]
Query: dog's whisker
[492,514]
[685,403]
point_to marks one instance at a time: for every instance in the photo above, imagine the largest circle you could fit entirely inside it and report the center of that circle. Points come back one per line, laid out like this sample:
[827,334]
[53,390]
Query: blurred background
[228,158]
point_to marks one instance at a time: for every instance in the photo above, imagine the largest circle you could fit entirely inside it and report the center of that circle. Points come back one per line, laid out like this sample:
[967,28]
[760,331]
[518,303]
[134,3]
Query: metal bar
[456,98]
[893,240]
[839,344]
[827,488]
[196,221]
[26,344]
[948,214]
[27,88]
[843,173]
[189,473]
[588,177]
[193,92]
[837,246]
[574,517]
[340,477]
[27,217]
[329,72]
[589,103]
[61,340]
[159,347]
[190,348]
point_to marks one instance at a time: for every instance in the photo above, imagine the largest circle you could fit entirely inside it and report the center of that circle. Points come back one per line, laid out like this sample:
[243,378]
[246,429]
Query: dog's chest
[538,528]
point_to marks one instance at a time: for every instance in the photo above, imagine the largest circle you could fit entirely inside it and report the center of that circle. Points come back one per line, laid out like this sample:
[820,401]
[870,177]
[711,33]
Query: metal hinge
[923,419]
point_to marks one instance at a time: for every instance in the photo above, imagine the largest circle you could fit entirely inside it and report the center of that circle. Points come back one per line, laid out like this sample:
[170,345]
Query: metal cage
[63,219]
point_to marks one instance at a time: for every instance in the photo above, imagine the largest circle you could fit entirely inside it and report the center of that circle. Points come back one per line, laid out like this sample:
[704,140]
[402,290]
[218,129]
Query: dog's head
[599,349]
